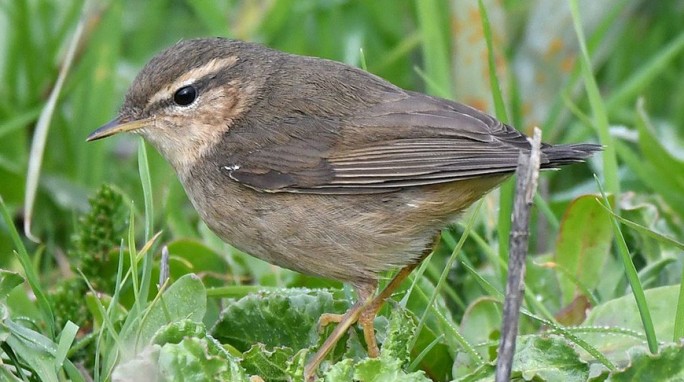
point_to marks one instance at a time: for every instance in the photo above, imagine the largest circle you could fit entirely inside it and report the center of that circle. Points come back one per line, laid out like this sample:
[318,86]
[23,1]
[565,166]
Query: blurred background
[433,46]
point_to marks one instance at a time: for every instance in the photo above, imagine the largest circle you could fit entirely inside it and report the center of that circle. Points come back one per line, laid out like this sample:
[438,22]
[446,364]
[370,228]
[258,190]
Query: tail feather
[560,155]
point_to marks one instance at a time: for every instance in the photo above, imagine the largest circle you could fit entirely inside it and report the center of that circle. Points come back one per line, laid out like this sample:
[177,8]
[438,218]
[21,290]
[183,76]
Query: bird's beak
[115,126]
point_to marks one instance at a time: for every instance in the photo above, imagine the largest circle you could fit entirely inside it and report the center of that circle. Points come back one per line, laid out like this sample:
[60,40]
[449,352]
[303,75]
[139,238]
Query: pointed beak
[115,126]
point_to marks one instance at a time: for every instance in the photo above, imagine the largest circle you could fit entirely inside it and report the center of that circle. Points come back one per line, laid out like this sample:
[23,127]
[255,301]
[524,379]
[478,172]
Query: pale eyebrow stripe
[191,76]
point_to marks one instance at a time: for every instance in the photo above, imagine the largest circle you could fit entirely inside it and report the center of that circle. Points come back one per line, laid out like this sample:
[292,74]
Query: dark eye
[185,95]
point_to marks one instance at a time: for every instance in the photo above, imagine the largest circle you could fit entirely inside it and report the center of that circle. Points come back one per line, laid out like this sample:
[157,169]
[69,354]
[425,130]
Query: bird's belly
[345,237]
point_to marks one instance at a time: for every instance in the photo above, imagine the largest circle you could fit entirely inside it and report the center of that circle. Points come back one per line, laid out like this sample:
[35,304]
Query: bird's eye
[185,95]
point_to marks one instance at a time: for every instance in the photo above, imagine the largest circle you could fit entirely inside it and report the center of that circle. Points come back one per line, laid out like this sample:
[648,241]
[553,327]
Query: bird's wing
[412,141]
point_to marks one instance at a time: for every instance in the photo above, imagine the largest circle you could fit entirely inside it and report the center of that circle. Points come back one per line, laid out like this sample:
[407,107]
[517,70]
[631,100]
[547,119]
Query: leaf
[66,338]
[385,370]
[176,331]
[394,355]
[7,376]
[341,371]
[34,349]
[667,365]
[92,303]
[401,329]
[279,364]
[583,247]
[8,281]
[481,320]
[142,367]
[281,317]
[184,299]
[548,359]
[188,256]
[622,313]
[538,358]
[191,360]
[181,351]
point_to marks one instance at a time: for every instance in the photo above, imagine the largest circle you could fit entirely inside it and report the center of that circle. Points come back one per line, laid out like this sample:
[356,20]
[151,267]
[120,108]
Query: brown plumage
[314,165]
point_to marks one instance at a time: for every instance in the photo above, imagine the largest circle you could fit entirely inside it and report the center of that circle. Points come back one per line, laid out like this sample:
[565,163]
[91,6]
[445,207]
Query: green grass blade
[647,73]
[452,335]
[600,116]
[646,231]
[632,277]
[30,271]
[445,272]
[419,358]
[42,128]
[499,105]
[66,338]
[133,257]
[486,285]
[435,46]
[678,331]
[507,188]
[73,373]
[146,182]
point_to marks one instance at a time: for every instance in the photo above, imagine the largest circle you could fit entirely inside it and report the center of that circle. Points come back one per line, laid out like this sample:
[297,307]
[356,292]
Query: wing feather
[412,141]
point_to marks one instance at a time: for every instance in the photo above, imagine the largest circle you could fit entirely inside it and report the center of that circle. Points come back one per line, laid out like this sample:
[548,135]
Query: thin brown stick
[526,185]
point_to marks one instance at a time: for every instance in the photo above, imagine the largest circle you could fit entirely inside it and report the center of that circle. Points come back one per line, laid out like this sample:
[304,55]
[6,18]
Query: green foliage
[582,247]
[68,304]
[113,319]
[664,366]
[287,317]
[98,234]
[181,351]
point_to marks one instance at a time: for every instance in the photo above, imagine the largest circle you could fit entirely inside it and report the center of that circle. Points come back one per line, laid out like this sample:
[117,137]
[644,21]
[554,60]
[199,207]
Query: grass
[93,274]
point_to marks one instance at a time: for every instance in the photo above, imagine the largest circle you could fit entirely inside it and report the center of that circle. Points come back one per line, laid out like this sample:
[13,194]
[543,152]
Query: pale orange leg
[371,310]
[365,292]
[364,311]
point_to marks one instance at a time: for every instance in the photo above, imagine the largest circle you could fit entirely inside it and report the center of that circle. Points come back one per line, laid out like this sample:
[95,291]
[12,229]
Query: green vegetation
[604,298]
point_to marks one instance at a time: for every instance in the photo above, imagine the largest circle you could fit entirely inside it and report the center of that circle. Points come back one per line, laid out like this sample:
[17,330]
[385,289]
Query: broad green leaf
[192,360]
[385,370]
[480,324]
[341,371]
[582,247]
[181,351]
[622,314]
[667,365]
[8,281]
[400,331]
[539,358]
[481,320]
[548,359]
[282,317]
[184,299]
[274,365]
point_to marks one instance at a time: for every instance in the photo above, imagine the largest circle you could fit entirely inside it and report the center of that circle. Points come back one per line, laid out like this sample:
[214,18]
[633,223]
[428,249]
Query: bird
[317,166]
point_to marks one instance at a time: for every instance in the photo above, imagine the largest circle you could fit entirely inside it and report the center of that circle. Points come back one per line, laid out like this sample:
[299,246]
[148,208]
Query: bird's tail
[560,155]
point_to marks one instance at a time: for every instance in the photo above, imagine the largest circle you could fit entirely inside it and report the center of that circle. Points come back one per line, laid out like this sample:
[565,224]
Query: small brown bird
[317,166]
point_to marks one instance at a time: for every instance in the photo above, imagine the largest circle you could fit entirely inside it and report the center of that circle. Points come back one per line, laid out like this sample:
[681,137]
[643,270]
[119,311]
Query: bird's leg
[363,311]
[365,292]
[371,310]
